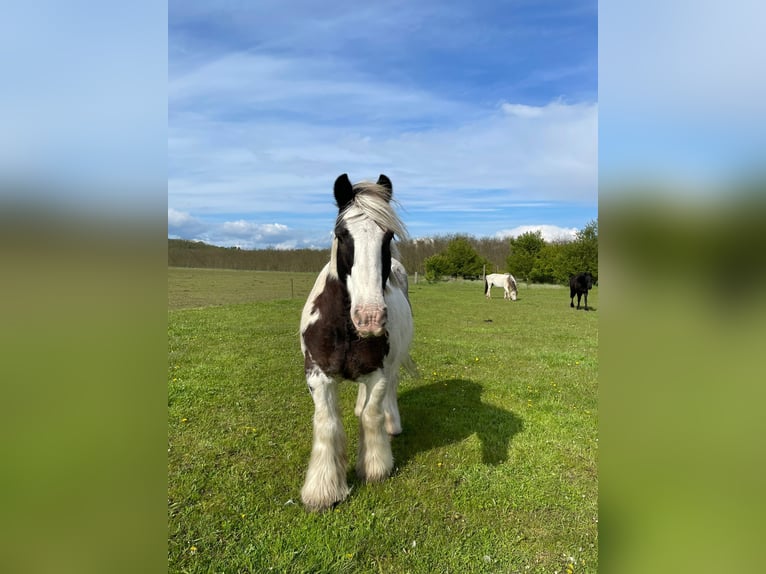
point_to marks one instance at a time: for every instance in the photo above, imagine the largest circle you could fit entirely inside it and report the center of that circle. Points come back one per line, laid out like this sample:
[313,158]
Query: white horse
[504,280]
[356,325]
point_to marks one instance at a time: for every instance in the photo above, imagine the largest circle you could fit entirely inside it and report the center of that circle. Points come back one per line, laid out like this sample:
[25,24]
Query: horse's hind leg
[326,476]
[391,407]
[375,459]
[579,296]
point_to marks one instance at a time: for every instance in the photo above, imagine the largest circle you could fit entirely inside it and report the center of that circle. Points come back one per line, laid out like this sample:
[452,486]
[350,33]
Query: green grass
[496,470]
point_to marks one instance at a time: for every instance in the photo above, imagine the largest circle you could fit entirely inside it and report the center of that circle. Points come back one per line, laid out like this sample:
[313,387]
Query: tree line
[528,257]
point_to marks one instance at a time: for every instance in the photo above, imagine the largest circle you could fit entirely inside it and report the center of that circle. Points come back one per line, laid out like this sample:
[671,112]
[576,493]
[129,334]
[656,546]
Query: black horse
[580,285]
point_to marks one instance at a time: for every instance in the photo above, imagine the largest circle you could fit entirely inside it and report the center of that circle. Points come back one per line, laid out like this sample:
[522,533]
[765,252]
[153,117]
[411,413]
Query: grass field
[496,470]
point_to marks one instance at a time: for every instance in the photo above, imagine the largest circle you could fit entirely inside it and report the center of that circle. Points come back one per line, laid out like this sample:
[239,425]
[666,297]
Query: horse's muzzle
[370,320]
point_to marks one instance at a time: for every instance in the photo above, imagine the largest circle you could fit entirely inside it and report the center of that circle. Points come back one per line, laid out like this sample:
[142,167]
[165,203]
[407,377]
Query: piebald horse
[356,325]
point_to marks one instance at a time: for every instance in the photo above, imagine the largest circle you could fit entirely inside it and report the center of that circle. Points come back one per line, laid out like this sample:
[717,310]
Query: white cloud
[549,232]
[243,233]
[183,224]
[251,230]
[522,111]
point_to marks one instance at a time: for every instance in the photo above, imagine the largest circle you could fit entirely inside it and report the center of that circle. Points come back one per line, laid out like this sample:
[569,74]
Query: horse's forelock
[373,201]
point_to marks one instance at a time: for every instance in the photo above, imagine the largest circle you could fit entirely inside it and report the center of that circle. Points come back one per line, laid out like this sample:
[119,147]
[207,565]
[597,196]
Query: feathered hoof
[317,500]
[320,503]
[374,471]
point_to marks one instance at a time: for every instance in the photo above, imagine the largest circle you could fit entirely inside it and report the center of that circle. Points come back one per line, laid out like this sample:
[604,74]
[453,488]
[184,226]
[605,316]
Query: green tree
[463,257]
[524,252]
[582,254]
[546,265]
[436,266]
[458,258]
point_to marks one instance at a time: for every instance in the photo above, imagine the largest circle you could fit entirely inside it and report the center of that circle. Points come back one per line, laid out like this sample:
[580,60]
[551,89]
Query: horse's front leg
[361,398]
[586,300]
[326,476]
[375,459]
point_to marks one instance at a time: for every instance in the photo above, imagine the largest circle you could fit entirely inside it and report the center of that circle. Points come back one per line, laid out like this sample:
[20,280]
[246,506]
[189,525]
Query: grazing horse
[356,325]
[580,285]
[504,280]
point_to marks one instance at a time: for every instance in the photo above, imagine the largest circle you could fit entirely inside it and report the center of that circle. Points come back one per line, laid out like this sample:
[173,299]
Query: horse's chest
[339,351]
[332,343]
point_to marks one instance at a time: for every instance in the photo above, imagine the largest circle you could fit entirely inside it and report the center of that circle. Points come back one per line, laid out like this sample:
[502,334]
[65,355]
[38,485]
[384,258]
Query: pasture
[496,470]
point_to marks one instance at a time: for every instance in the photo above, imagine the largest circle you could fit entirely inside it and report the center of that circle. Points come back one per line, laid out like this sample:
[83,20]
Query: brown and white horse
[356,325]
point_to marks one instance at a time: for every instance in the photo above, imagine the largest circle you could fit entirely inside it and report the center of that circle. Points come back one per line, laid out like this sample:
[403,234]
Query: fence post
[416,277]
[292,289]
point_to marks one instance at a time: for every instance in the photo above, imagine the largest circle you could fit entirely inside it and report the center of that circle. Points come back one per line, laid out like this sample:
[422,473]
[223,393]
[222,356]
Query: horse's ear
[384,182]
[344,191]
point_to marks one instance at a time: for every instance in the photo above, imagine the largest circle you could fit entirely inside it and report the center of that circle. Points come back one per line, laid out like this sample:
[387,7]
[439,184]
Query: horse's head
[512,287]
[361,249]
[588,280]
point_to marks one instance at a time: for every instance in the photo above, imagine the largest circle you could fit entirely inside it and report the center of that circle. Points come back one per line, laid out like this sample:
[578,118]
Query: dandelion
[438,464]
[184,420]
[477,359]
[193,550]
[349,555]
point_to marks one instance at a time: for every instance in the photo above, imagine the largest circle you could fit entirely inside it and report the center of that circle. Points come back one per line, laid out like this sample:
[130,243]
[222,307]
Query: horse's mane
[374,202]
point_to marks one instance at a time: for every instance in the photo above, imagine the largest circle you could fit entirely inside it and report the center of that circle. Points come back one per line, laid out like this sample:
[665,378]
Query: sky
[483,114]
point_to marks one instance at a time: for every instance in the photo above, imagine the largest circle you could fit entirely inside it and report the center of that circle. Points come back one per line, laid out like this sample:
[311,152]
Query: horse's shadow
[447,412]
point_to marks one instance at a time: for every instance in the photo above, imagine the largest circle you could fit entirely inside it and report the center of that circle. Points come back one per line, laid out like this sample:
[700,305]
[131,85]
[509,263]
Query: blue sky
[483,114]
